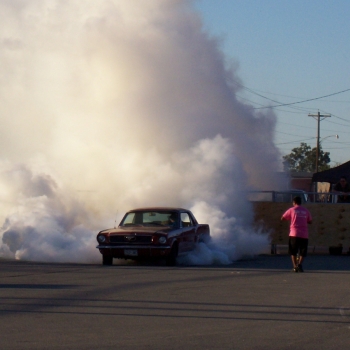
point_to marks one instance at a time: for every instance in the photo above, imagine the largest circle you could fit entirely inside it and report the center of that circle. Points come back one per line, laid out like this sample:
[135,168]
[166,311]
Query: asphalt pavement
[251,304]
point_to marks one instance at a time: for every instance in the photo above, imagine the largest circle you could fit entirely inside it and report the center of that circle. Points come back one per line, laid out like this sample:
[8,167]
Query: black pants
[298,245]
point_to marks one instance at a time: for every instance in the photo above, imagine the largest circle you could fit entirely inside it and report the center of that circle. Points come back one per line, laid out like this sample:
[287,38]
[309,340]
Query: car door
[188,231]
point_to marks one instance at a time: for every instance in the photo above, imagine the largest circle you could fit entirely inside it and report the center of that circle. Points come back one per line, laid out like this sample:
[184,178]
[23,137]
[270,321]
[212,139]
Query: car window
[129,219]
[186,220]
[155,218]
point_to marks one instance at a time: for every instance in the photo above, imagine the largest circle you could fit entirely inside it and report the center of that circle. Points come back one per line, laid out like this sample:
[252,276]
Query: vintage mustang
[147,233]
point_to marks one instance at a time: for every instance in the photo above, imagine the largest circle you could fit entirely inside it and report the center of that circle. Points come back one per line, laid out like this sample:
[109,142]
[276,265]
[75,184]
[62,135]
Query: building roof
[301,175]
[333,175]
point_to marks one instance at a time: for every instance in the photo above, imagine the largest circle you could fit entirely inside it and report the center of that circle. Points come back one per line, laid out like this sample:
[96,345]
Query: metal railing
[287,196]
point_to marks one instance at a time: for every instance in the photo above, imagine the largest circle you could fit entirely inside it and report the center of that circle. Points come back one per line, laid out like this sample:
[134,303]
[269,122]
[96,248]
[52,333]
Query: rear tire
[171,258]
[204,239]
[107,260]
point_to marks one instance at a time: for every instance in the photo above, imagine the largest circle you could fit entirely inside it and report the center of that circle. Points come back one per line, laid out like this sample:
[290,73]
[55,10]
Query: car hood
[144,230]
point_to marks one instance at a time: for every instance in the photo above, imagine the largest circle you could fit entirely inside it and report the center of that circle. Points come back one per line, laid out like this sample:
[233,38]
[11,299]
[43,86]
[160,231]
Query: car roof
[158,208]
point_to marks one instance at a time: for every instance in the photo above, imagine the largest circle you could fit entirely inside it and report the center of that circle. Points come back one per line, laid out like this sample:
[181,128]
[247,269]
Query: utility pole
[318,116]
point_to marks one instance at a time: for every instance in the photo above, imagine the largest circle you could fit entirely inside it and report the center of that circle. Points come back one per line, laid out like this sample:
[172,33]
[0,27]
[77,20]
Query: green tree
[303,158]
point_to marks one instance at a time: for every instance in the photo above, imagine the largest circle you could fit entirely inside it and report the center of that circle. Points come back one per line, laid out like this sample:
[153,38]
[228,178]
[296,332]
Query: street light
[336,136]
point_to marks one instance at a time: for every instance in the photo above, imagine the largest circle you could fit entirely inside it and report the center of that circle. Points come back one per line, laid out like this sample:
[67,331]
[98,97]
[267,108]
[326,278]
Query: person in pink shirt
[299,218]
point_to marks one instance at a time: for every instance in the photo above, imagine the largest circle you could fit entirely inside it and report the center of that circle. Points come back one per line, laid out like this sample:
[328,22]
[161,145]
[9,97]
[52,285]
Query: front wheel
[107,260]
[171,258]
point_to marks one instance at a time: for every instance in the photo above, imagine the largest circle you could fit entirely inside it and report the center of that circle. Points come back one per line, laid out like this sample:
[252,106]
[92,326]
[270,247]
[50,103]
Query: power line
[309,127]
[285,143]
[301,126]
[332,122]
[308,100]
[301,109]
[288,104]
[273,93]
[333,115]
[267,98]
[297,110]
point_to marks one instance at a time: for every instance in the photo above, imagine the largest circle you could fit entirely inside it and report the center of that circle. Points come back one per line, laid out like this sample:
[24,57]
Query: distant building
[297,181]
[301,181]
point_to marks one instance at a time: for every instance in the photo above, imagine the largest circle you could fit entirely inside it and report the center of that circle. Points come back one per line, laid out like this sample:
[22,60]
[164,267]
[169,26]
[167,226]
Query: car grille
[134,240]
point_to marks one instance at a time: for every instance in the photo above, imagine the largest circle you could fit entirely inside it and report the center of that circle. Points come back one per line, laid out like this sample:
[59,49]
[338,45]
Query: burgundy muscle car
[152,233]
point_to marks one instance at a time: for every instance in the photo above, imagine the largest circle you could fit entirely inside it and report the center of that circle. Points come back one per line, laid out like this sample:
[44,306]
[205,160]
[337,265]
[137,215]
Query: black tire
[107,260]
[204,239]
[171,258]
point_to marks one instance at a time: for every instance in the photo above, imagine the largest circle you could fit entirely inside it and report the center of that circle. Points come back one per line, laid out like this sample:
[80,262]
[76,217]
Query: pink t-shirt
[299,217]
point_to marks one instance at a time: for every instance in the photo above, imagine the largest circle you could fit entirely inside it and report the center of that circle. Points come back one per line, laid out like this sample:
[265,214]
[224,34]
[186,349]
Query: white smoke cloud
[110,105]
[43,223]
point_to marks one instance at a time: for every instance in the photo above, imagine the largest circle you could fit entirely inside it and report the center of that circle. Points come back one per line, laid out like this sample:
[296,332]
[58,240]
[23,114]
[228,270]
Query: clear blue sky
[290,51]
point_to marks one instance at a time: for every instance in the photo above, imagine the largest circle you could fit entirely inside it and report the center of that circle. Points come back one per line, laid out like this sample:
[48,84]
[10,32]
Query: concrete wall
[330,225]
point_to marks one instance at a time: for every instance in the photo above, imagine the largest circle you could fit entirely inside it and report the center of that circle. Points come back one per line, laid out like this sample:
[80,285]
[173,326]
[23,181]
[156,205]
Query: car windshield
[150,218]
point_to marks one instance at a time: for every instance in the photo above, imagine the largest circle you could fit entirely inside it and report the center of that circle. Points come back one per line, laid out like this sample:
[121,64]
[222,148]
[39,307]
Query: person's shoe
[300,268]
[295,269]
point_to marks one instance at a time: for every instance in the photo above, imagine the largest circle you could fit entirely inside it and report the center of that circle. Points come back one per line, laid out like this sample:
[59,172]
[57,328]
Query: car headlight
[162,240]
[101,238]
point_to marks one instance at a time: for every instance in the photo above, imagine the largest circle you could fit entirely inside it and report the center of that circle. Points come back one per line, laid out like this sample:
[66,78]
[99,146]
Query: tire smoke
[111,105]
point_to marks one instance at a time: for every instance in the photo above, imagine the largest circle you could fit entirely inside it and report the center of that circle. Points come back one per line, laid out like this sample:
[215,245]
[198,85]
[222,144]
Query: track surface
[256,304]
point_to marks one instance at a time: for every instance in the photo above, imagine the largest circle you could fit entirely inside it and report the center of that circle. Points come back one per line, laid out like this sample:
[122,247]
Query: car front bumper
[134,252]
